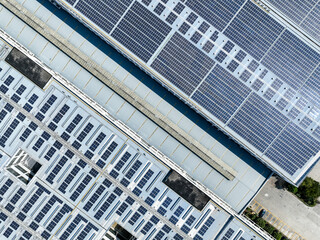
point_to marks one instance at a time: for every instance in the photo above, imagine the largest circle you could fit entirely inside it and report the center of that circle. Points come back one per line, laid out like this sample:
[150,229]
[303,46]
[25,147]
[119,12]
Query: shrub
[308,191]
[261,222]
[253,217]
[277,235]
[269,228]
[292,188]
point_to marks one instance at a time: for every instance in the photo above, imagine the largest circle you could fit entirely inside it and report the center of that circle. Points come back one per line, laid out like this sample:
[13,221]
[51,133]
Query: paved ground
[290,211]
[315,173]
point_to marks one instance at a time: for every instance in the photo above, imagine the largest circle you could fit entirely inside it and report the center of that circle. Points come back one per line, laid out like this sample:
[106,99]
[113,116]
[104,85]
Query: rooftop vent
[23,167]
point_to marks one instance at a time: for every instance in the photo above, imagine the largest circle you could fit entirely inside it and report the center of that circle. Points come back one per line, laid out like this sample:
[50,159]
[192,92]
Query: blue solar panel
[146,2]
[171,18]
[166,228]
[192,18]
[253,30]
[71,1]
[257,84]
[190,220]
[141,32]
[240,56]
[33,98]
[195,38]
[221,93]
[159,9]
[8,80]
[216,12]
[173,219]
[182,63]
[228,46]
[154,219]
[177,237]
[184,28]
[311,88]
[146,227]
[221,56]
[122,208]
[8,232]
[94,198]
[149,201]
[103,13]
[204,27]
[312,22]
[295,10]
[258,122]
[154,192]
[253,65]
[179,8]
[134,218]
[167,202]
[206,226]
[207,47]
[291,59]
[185,229]
[129,200]
[232,66]
[293,148]
[162,211]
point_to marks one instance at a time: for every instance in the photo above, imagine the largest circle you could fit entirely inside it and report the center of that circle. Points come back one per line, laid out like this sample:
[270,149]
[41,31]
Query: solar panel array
[91,175]
[224,56]
[252,31]
[218,13]
[182,63]
[141,32]
[304,13]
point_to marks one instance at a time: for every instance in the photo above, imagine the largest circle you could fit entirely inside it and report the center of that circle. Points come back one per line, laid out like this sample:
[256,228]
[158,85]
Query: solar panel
[103,13]
[253,30]
[216,12]
[141,31]
[311,88]
[221,93]
[258,122]
[312,22]
[295,10]
[291,59]
[216,54]
[182,64]
[293,148]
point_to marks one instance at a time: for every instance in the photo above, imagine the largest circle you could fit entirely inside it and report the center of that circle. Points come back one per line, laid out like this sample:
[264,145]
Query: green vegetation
[261,222]
[264,225]
[269,229]
[277,235]
[308,192]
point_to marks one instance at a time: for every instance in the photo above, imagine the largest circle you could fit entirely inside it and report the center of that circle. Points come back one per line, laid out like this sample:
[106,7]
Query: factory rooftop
[75,55]
[72,171]
[240,64]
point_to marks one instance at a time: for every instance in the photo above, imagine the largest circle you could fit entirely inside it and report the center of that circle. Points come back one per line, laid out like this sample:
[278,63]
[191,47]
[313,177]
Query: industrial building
[93,147]
[240,64]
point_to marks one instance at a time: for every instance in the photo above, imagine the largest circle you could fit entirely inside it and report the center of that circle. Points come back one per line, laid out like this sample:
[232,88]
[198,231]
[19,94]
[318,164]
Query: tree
[309,190]
[261,222]
[253,217]
[277,235]
[269,228]
[292,188]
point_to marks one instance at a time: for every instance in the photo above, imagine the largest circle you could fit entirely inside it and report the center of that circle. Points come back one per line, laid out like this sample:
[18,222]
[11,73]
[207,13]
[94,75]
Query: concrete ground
[290,210]
[315,173]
